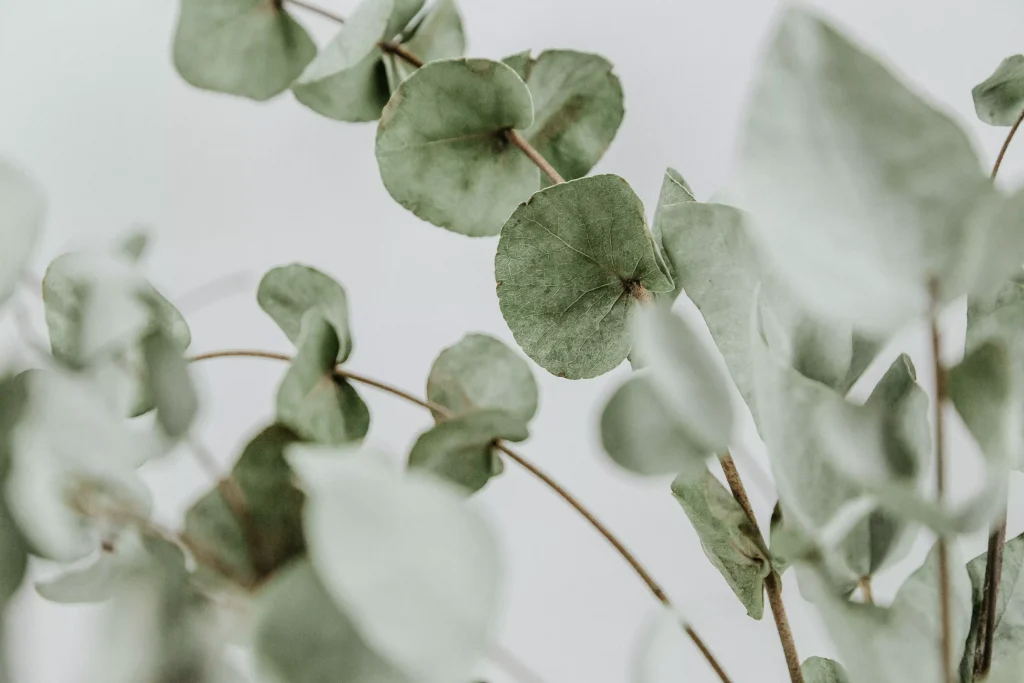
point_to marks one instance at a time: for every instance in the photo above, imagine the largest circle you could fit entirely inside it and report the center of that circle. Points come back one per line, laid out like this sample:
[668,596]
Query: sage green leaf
[461,450]
[319,405]
[864,195]
[674,190]
[169,384]
[987,393]
[302,636]
[521,62]
[438,35]
[286,293]
[251,48]
[98,581]
[643,435]
[13,556]
[442,149]
[999,99]
[572,264]
[481,373]
[821,670]
[13,550]
[1008,637]
[898,644]
[730,540]
[269,534]
[22,209]
[577,109]
[415,569]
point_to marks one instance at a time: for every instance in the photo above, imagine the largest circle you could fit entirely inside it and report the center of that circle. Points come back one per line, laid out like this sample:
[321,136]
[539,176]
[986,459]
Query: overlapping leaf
[287,293]
[999,99]
[1008,637]
[437,35]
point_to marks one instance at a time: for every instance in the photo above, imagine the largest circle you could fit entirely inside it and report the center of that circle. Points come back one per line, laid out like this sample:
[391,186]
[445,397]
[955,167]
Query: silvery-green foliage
[437,34]
[1008,638]
[821,670]
[999,99]
[287,293]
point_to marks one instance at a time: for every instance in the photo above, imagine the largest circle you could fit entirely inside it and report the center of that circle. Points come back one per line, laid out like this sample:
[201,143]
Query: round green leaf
[251,48]
[288,292]
[21,216]
[572,264]
[481,373]
[577,109]
[999,99]
[438,35]
[442,149]
[821,670]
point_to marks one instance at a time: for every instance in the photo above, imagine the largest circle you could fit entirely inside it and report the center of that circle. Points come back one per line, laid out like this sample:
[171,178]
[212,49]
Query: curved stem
[773,582]
[1006,144]
[438,409]
[516,138]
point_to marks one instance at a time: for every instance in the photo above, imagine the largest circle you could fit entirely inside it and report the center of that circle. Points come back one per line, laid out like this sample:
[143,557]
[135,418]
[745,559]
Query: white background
[91,105]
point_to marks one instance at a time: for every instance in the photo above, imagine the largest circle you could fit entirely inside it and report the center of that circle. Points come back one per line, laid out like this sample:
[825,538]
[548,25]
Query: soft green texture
[251,48]
[578,108]
[865,195]
[168,384]
[730,540]
[898,644]
[415,569]
[302,636]
[674,191]
[270,535]
[319,405]
[643,435]
[1008,639]
[99,580]
[821,670]
[438,35]
[572,264]
[347,80]
[442,149]
[988,395]
[22,210]
[461,450]
[520,63]
[481,373]
[999,99]
[286,293]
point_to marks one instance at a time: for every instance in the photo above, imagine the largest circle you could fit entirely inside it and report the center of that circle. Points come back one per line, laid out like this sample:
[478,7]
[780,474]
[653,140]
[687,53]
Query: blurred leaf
[730,540]
[1008,639]
[821,670]
[999,99]
[481,373]
[438,35]
[865,194]
[415,570]
[521,62]
[270,533]
[461,450]
[312,400]
[572,264]
[251,48]
[22,209]
[301,636]
[287,293]
[442,149]
[169,384]
[987,394]
[13,551]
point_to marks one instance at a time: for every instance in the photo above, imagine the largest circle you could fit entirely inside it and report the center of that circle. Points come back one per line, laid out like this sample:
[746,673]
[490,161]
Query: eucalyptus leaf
[461,450]
[302,636]
[22,209]
[821,670]
[13,550]
[572,265]
[13,555]
[481,373]
[730,540]
[438,35]
[169,384]
[251,48]
[442,149]
[319,405]
[1008,638]
[520,63]
[988,395]
[415,570]
[287,293]
[674,191]
[999,99]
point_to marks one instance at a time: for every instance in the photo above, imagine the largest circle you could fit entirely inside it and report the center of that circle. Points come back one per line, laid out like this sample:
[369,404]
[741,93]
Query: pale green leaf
[572,265]
[319,405]
[730,540]
[999,99]
[251,48]
[438,35]
[674,191]
[520,63]
[481,373]
[987,393]
[415,570]
[442,149]
[286,293]
[461,450]
[1008,638]
[22,209]
[13,556]
[302,636]
[863,193]
[821,670]
[169,384]
[269,534]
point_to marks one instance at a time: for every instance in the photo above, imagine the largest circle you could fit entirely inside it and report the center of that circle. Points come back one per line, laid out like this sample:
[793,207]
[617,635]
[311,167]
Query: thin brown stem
[1006,144]
[516,138]
[987,610]
[866,593]
[326,14]
[438,409]
[941,393]
[773,582]
[400,50]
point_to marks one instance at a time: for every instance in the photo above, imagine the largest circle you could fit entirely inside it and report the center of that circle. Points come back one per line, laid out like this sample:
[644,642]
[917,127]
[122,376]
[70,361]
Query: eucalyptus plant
[856,209]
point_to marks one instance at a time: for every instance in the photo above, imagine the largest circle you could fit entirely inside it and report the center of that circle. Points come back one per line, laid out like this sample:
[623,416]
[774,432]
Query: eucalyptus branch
[438,409]
[1006,144]
[773,582]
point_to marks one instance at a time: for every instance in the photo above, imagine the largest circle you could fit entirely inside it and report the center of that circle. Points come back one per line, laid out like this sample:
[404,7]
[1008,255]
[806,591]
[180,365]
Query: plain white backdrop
[91,105]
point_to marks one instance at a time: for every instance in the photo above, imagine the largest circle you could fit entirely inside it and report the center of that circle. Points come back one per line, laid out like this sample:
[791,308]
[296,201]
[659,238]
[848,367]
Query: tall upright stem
[773,582]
